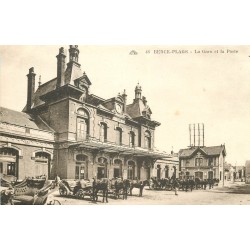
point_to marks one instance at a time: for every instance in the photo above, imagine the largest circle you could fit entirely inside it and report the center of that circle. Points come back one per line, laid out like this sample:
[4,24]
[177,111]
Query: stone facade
[80,135]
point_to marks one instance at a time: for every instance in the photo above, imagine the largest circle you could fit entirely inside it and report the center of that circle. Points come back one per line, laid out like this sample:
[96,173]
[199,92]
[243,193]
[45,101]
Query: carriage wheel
[63,192]
[80,194]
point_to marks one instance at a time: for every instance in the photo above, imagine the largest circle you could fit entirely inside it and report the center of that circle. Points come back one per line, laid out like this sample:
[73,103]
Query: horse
[211,183]
[117,186]
[198,183]
[138,184]
[103,186]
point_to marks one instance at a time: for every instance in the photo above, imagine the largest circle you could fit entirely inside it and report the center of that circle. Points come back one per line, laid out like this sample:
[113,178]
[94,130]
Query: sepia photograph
[139,134]
[124,125]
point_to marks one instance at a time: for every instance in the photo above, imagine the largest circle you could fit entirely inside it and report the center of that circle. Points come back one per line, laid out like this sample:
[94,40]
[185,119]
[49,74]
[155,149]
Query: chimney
[31,88]
[124,96]
[60,68]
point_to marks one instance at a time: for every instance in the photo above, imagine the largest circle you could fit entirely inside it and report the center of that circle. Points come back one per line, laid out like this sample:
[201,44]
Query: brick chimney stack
[31,88]
[60,68]
[124,96]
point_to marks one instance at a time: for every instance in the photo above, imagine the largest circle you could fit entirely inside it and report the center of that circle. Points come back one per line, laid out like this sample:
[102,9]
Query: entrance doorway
[199,175]
[210,174]
[101,173]
[11,168]
[116,172]
[9,161]
[117,168]
[42,164]
[131,170]
[81,170]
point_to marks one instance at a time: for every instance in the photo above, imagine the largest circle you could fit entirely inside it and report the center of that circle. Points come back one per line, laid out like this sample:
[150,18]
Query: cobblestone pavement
[231,194]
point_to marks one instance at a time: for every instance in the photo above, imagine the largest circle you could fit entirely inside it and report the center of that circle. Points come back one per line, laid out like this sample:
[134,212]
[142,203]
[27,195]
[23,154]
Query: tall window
[147,139]
[117,168]
[103,132]
[118,136]
[131,139]
[166,172]
[82,124]
[210,161]
[198,162]
[102,168]
[131,170]
[158,171]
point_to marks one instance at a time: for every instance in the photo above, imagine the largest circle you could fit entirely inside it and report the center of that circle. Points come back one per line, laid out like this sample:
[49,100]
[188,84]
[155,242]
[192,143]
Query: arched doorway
[9,161]
[199,175]
[117,168]
[131,170]
[42,164]
[102,168]
[81,170]
[210,174]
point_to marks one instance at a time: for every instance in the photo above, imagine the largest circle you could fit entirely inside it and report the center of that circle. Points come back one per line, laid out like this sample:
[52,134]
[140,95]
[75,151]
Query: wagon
[75,188]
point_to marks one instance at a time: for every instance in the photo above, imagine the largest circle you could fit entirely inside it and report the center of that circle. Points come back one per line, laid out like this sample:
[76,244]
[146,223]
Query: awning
[110,147]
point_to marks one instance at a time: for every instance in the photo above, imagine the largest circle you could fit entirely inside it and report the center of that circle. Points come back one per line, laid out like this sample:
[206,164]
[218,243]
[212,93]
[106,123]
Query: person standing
[175,183]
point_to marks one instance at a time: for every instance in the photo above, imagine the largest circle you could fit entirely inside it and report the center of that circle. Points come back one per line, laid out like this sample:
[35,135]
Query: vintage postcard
[124,125]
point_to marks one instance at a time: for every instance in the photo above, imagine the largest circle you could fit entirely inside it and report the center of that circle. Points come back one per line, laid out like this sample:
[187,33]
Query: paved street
[231,194]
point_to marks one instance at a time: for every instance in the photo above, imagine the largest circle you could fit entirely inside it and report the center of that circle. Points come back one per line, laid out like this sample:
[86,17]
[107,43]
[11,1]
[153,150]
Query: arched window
[147,139]
[103,132]
[42,164]
[118,136]
[82,124]
[9,161]
[131,139]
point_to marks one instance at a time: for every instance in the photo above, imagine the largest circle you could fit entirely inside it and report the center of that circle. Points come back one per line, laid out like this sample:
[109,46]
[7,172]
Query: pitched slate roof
[72,72]
[136,108]
[22,119]
[209,151]
[42,90]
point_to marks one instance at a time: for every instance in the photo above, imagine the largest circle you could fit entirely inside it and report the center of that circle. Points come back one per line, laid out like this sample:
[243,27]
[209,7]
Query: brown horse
[103,186]
[138,184]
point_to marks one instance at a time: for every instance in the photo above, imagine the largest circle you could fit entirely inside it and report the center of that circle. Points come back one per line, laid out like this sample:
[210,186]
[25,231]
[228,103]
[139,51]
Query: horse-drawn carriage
[115,188]
[76,188]
[30,191]
[161,184]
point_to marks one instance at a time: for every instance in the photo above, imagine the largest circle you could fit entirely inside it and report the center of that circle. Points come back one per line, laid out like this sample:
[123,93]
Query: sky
[181,88]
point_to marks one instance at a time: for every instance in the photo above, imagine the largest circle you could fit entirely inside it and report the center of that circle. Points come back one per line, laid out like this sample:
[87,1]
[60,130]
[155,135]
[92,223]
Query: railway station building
[65,130]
